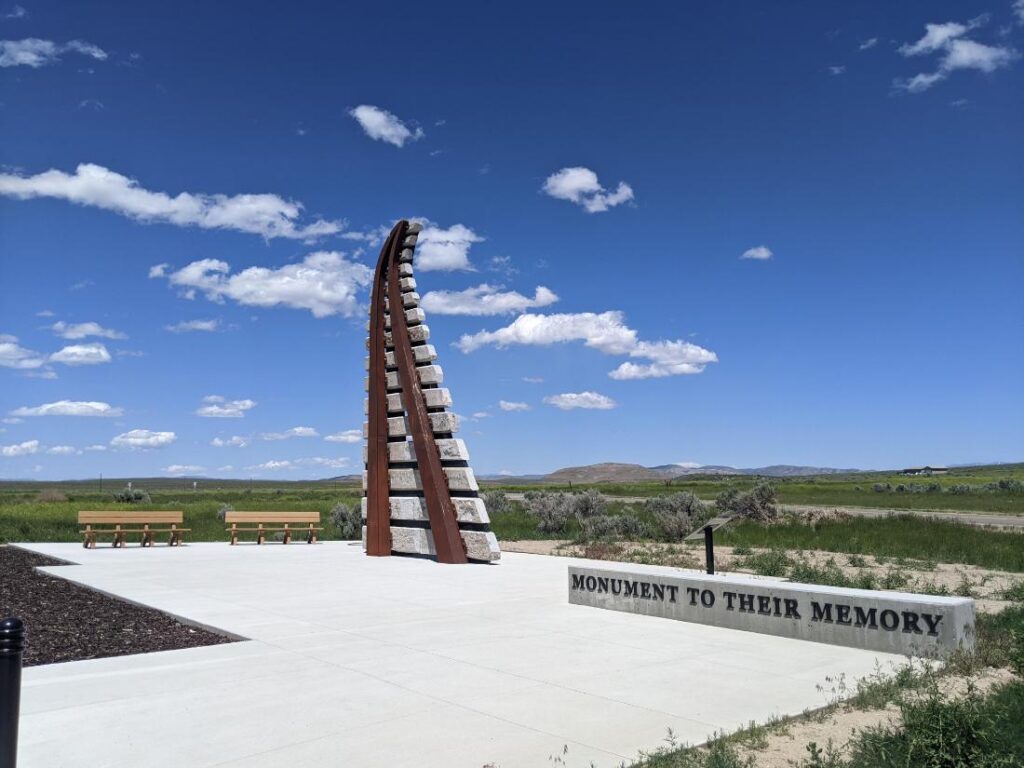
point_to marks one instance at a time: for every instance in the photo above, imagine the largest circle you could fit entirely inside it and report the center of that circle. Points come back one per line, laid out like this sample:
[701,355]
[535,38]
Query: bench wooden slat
[138,530]
[239,516]
[120,518]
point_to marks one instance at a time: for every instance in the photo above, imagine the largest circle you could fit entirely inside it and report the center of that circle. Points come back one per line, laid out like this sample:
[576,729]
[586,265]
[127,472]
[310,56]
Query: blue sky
[724,233]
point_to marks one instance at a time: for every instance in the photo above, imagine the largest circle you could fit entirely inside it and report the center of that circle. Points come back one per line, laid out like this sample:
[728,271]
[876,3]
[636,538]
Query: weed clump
[496,502]
[551,510]
[609,526]
[677,515]
[131,496]
[348,519]
[757,504]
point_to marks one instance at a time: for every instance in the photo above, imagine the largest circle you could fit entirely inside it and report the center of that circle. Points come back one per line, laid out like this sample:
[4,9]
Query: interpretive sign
[894,622]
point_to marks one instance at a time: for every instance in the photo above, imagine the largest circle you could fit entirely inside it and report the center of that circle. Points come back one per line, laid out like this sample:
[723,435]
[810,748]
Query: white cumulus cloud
[85,330]
[290,433]
[216,407]
[188,326]
[506,405]
[346,436]
[312,461]
[12,355]
[35,53]
[581,186]
[605,332]
[956,52]
[63,450]
[274,464]
[182,469]
[143,438]
[758,253]
[93,185]
[570,400]
[441,249]
[20,449]
[325,283]
[70,408]
[236,441]
[381,125]
[81,354]
[485,299]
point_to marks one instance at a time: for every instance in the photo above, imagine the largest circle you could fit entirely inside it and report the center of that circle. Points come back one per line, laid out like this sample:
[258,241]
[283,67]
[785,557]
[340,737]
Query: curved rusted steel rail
[378,504]
[444,526]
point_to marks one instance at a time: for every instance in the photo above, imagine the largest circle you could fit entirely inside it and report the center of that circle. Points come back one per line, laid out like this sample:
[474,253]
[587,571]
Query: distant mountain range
[611,472]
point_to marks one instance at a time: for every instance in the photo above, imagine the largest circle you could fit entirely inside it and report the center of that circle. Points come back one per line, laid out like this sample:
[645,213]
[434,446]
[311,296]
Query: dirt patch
[786,744]
[68,622]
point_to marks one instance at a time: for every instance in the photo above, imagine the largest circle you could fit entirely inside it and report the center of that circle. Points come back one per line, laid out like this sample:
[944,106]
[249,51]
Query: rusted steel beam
[378,491]
[440,510]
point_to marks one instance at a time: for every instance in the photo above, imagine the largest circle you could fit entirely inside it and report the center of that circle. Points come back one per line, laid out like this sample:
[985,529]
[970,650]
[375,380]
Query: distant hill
[612,472]
[605,473]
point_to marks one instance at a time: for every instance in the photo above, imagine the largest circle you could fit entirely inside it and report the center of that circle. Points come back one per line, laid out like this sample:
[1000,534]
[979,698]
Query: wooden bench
[285,521]
[123,522]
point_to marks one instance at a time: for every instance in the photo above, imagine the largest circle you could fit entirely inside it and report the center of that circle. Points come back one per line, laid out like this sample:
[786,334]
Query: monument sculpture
[420,496]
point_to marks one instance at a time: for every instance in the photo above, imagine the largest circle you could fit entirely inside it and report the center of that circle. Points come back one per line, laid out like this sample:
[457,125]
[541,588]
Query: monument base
[894,622]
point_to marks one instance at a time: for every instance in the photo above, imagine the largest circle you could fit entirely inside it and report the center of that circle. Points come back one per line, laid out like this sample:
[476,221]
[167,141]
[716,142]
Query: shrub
[552,510]
[829,573]
[632,527]
[894,579]
[1017,653]
[599,527]
[222,511]
[881,487]
[775,562]
[937,731]
[1015,592]
[606,526]
[677,515]
[348,518]
[132,496]
[590,503]
[758,503]
[496,502]
[725,501]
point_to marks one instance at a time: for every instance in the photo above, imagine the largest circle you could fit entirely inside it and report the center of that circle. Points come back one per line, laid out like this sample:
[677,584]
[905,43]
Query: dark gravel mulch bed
[68,622]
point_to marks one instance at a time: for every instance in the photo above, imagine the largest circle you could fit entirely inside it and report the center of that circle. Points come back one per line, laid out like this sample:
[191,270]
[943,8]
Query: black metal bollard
[709,549]
[12,642]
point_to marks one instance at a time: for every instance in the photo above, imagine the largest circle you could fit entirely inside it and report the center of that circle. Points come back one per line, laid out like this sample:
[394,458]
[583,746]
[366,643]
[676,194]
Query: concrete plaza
[357,661]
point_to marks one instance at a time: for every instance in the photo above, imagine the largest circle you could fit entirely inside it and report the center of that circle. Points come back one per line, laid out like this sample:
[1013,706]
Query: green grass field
[23,517]
[849,490]
[896,537]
